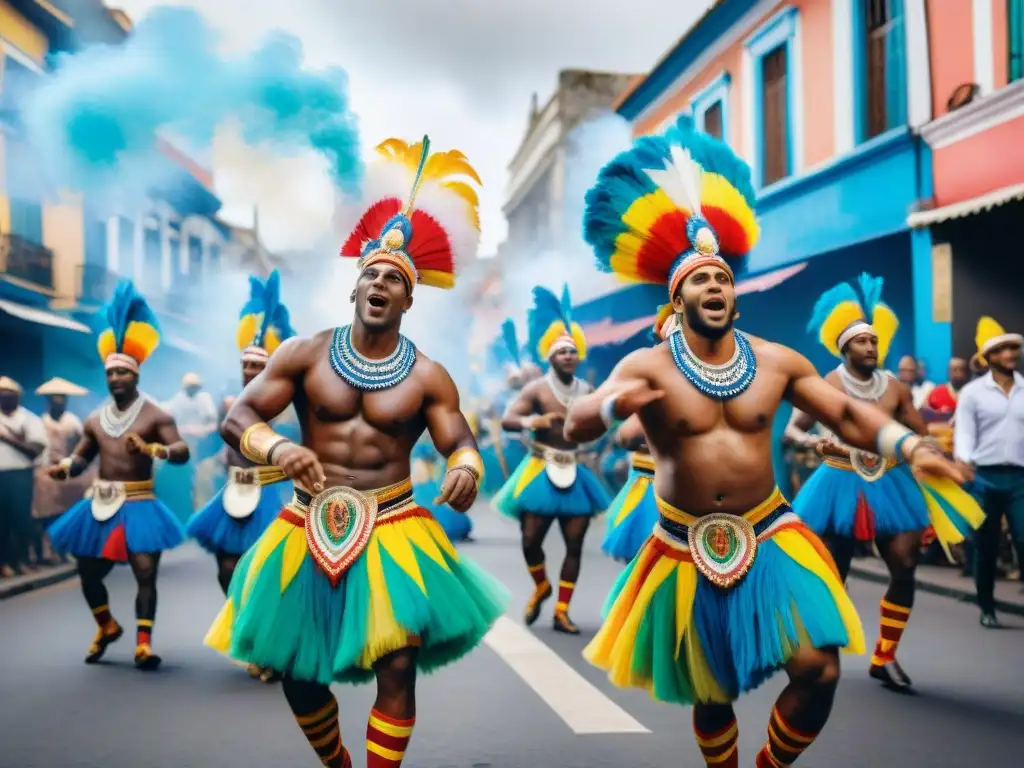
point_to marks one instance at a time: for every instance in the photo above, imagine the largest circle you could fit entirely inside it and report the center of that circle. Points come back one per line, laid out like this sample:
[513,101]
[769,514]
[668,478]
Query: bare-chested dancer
[120,520]
[853,496]
[354,580]
[731,587]
[234,518]
[551,483]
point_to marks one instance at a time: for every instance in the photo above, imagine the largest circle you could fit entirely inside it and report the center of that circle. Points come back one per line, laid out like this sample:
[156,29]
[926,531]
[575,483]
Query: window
[710,108]
[775,130]
[195,260]
[95,239]
[126,246]
[713,120]
[1015,16]
[775,115]
[880,48]
[153,262]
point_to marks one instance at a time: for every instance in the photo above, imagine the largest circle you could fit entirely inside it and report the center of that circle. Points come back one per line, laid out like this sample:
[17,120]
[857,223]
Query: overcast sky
[461,71]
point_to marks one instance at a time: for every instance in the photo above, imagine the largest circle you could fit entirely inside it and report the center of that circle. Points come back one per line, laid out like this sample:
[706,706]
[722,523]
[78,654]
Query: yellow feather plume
[718,192]
[885,323]
[248,327]
[839,318]
[106,344]
[140,339]
[555,331]
[581,340]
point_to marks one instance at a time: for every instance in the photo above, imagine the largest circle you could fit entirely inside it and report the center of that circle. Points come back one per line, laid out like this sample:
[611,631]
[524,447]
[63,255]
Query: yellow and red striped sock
[539,576]
[103,617]
[785,743]
[565,590]
[323,732]
[720,748]
[386,740]
[144,632]
[894,621]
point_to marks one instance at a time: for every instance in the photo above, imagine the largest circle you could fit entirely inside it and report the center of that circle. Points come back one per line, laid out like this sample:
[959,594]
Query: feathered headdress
[665,323]
[128,329]
[422,216]
[551,327]
[263,322]
[843,312]
[990,335]
[511,341]
[669,205]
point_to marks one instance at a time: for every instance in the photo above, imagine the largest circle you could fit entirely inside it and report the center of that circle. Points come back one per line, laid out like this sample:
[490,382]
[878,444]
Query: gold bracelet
[469,460]
[258,442]
[153,449]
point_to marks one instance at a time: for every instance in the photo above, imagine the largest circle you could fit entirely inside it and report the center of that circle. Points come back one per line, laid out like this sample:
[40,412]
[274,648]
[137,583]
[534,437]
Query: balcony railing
[26,260]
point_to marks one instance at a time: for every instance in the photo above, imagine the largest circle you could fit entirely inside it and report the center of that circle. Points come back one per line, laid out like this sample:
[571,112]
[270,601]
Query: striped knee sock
[719,747]
[323,732]
[785,744]
[103,617]
[539,576]
[386,740]
[565,590]
[894,621]
[144,632]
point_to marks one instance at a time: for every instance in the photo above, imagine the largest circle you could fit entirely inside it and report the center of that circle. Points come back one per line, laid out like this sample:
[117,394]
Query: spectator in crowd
[989,436]
[909,374]
[922,382]
[63,431]
[22,443]
[943,398]
[195,413]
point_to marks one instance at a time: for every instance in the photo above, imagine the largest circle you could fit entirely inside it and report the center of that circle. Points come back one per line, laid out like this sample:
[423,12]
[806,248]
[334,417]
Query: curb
[63,573]
[963,595]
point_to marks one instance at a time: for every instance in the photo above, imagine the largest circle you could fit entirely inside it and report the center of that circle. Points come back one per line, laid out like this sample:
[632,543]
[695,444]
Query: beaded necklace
[116,422]
[366,374]
[720,382]
[871,390]
[564,393]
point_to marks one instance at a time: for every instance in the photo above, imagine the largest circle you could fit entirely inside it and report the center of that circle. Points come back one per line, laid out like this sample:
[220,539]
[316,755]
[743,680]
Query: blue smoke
[95,121]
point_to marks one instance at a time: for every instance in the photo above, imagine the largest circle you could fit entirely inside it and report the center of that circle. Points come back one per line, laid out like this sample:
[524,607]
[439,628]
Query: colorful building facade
[824,99]
[61,254]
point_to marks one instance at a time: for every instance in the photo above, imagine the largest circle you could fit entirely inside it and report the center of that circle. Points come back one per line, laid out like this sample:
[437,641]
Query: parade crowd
[334,545]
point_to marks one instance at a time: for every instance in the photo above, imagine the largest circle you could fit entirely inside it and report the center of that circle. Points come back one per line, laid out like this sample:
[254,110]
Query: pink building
[832,102]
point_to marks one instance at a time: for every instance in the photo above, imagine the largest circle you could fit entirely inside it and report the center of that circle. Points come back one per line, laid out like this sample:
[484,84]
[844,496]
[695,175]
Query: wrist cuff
[258,443]
[608,412]
[468,459]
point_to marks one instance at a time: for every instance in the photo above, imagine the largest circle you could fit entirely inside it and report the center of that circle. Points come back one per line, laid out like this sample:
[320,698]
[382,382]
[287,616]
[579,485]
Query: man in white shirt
[195,413]
[989,437]
[22,442]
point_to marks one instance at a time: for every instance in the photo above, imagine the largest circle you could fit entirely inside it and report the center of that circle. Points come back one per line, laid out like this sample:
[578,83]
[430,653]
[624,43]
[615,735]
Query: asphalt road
[523,700]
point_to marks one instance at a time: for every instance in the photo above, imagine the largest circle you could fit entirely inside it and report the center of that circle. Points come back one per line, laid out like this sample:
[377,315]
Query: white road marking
[583,707]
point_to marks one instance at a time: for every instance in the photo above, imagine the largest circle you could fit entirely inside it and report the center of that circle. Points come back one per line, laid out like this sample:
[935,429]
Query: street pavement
[525,699]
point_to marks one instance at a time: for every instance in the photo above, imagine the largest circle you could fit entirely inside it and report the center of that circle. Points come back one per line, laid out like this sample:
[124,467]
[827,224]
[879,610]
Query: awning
[985,202]
[41,316]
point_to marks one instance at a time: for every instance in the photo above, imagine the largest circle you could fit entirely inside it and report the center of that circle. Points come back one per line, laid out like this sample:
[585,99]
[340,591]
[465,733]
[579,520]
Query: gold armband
[469,460]
[258,443]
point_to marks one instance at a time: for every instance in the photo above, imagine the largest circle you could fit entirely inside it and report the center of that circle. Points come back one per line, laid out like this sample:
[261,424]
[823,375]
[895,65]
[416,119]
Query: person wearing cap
[64,430]
[551,483]
[22,444]
[989,437]
[195,413]
[731,587]
[121,521]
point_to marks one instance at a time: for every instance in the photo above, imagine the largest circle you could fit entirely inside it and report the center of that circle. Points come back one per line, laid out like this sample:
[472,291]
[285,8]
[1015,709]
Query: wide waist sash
[844,463]
[392,501]
[643,463]
[552,455]
[722,546]
[134,490]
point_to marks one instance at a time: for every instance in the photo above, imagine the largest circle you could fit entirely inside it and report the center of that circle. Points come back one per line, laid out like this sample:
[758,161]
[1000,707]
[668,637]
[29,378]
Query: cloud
[461,70]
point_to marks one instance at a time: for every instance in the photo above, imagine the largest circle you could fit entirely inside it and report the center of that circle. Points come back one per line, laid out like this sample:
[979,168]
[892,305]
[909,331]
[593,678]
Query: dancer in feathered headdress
[988,411]
[238,513]
[727,553]
[634,510]
[366,580]
[120,520]
[856,496]
[550,482]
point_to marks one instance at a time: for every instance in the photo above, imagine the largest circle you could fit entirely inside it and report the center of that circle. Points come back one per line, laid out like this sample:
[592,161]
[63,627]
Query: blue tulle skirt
[457,527]
[631,517]
[216,531]
[529,490]
[138,527]
[828,503]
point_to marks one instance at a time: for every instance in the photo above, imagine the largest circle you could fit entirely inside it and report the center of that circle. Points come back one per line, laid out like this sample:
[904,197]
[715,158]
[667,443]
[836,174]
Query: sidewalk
[17,585]
[945,581]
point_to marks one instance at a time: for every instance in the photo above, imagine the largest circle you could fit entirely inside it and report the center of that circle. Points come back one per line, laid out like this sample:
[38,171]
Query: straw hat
[59,386]
[8,384]
[191,380]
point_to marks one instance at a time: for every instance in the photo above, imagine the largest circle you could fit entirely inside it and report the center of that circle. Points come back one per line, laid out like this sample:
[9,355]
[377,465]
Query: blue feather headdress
[508,336]
[128,329]
[845,311]
[263,322]
[550,326]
